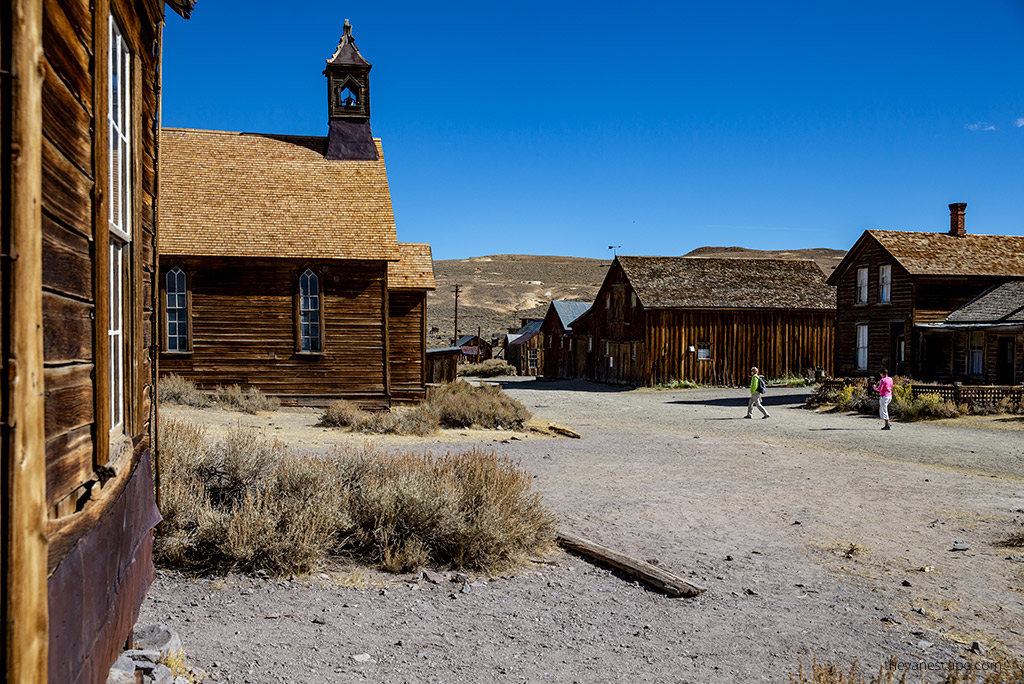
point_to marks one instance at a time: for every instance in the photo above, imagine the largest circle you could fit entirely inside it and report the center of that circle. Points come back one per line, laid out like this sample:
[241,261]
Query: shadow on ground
[742,399]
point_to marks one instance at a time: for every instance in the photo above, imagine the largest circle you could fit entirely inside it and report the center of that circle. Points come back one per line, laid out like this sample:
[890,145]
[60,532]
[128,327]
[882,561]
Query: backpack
[761,386]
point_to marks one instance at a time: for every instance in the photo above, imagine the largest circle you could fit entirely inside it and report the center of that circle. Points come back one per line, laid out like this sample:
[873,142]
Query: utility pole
[456,290]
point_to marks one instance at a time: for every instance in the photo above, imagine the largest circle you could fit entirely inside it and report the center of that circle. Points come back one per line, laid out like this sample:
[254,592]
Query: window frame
[885,284]
[861,290]
[857,346]
[975,353]
[300,311]
[166,309]
[701,349]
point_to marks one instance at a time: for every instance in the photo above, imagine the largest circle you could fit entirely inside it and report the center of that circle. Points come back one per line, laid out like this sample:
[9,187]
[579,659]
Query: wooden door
[1005,361]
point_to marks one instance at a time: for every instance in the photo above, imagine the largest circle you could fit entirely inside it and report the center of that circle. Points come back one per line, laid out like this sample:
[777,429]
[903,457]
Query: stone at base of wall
[145,663]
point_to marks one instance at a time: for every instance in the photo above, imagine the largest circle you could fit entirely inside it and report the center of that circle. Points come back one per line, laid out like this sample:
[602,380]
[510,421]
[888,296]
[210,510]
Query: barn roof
[415,270]
[725,283]
[568,312]
[255,195]
[943,254]
[526,332]
[466,339]
[1001,304]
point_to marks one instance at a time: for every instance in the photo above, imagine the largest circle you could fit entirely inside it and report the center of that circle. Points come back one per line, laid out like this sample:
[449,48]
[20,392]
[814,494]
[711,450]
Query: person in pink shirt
[884,389]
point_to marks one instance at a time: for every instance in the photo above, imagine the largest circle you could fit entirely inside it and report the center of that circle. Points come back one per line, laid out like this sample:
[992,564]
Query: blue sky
[563,128]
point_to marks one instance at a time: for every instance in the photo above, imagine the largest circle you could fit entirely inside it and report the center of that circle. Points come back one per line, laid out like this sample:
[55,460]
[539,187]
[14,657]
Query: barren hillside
[499,290]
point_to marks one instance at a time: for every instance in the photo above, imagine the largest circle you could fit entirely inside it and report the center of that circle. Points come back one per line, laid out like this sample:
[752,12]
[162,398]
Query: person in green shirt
[757,384]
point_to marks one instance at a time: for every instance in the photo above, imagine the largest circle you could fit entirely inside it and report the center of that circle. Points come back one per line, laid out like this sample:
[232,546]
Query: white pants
[883,407]
[755,400]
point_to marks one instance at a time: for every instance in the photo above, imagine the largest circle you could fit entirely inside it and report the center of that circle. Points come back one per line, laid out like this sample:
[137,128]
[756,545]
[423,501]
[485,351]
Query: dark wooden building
[80,107]
[525,348]
[707,320]
[895,290]
[277,255]
[473,349]
[559,344]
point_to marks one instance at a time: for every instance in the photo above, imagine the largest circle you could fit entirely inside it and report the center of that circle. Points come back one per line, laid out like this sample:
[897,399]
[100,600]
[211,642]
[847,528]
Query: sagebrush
[487,369]
[174,389]
[249,503]
[454,405]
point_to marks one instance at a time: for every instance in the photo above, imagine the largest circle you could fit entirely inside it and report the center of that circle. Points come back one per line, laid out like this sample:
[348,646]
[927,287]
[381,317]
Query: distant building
[524,349]
[934,306]
[560,351]
[707,320]
[473,349]
[280,265]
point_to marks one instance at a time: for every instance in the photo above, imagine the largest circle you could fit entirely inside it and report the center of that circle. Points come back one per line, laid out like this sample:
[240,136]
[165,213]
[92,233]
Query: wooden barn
[279,263]
[79,121]
[707,320]
[474,349]
[525,348]
[896,295]
[559,344]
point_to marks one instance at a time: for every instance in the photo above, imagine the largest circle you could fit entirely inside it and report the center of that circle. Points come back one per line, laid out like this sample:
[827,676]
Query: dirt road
[811,532]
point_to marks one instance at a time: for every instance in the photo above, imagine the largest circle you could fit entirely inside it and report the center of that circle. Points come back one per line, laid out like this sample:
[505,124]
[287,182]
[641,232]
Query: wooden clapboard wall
[243,329]
[97,503]
[407,332]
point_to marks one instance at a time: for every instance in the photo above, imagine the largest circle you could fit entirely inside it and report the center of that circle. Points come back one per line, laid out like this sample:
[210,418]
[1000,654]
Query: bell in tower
[348,102]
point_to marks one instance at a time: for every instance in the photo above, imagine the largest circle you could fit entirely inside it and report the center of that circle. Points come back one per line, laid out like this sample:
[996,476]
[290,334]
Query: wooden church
[280,266]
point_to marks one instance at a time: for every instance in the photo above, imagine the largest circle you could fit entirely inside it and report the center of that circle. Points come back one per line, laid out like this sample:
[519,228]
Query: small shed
[442,365]
[559,344]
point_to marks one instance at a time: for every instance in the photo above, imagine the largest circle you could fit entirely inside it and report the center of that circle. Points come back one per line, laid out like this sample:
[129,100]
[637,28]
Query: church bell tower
[348,103]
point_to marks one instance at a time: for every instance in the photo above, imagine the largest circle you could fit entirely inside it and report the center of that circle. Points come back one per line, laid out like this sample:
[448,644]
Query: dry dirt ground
[811,532]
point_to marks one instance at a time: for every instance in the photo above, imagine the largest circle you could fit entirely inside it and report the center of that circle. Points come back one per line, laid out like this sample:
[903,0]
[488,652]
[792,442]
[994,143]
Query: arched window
[177,310]
[309,312]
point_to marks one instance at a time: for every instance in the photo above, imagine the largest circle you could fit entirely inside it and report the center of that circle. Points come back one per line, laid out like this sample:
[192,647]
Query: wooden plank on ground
[653,576]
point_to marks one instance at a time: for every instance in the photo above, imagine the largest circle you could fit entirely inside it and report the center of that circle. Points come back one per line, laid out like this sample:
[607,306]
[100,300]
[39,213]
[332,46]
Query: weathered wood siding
[518,355]
[407,330]
[244,327]
[559,348]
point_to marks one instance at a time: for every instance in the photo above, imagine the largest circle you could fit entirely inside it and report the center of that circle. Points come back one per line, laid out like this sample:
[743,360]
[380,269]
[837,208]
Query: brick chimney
[956,219]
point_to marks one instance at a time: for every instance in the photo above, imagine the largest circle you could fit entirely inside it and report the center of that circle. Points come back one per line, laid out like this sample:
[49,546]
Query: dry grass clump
[174,389]
[462,405]
[1007,671]
[250,503]
[455,405]
[487,369]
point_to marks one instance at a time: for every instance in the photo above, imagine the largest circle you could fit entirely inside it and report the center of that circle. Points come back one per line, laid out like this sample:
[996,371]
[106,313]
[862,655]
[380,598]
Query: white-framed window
[885,283]
[862,286]
[703,352]
[862,347]
[976,352]
[309,312]
[590,344]
[176,307]
[531,359]
[119,212]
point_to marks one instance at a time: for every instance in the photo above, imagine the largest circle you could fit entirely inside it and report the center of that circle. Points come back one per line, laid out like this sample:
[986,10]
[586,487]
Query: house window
[590,344]
[862,286]
[885,283]
[309,312]
[176,305]
[531,359]
[561,343]
[632,349]
[608,300]
[976,352]
[119,217]
[862,347]
[607,349]
[703,352]
[632,299]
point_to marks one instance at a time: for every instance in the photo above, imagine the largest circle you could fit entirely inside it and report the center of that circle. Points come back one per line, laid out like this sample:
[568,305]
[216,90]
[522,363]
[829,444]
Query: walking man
[756,390]
[884,389]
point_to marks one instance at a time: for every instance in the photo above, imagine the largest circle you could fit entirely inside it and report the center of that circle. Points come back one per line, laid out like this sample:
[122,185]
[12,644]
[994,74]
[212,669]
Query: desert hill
[499,290]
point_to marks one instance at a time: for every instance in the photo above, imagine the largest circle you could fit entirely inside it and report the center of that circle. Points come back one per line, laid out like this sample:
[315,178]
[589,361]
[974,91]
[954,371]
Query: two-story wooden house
[280,266]
[894,289]
[707,320]
[79,115]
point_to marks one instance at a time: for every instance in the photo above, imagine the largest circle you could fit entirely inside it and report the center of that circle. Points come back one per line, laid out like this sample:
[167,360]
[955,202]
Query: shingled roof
[1001,304]
[717,283]
[415,270]
[254,195]
[949,255]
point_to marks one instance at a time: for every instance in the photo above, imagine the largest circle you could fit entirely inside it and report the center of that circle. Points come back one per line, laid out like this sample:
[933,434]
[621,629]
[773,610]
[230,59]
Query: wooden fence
[972,395]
